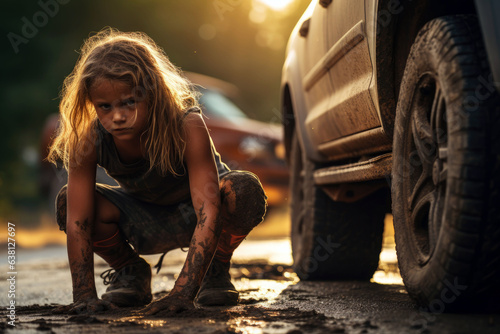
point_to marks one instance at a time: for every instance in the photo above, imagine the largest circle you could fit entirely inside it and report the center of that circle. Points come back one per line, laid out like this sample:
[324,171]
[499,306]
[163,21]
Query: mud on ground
[264,307]
[272,300]
[253,312]
[213,320]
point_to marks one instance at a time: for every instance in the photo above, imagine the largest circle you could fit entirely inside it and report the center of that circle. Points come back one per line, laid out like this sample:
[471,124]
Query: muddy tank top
[138,181]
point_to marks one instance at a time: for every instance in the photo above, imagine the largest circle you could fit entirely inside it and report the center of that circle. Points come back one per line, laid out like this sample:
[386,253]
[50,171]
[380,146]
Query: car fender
[292,78]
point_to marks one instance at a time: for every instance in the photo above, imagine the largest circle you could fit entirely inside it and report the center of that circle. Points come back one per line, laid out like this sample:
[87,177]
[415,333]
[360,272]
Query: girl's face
[118,110]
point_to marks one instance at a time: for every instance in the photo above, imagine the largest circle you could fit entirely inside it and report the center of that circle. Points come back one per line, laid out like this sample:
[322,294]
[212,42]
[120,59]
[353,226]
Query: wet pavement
[272,299]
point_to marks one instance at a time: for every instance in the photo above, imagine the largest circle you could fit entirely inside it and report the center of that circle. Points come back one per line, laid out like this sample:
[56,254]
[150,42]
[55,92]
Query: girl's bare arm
[79,222]
[204,186]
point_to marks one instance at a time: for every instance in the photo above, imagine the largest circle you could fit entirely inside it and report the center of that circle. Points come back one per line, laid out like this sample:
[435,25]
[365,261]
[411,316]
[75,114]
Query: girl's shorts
[149,228]
[153,229]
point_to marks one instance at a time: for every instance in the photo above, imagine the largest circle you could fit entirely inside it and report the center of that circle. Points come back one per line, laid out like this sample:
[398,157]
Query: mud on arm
[204,186]
[205,195]
[80,217]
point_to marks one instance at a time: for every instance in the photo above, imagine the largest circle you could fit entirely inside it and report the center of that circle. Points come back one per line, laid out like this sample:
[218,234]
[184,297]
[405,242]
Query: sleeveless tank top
[148,185]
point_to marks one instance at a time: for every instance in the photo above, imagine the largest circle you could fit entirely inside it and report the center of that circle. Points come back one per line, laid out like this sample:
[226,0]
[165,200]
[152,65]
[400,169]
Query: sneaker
[216,288]
[130,285]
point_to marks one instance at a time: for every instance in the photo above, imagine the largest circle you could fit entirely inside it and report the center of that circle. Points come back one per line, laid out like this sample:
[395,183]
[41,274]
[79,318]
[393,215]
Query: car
[393,107]
[243,143]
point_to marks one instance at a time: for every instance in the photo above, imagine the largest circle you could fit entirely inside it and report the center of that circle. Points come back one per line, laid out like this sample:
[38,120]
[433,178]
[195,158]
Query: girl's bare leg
[130,283]
[243,205]
[243,208]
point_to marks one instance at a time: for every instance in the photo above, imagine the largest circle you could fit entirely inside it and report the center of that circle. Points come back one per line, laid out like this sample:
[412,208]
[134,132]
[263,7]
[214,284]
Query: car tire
[332,240]
[446,167]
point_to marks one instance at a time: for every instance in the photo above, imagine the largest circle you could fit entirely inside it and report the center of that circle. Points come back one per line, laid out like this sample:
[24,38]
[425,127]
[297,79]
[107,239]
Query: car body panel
[325,92]
[366,46]
[489,12]
[292,74]
[350,70]
[317,93]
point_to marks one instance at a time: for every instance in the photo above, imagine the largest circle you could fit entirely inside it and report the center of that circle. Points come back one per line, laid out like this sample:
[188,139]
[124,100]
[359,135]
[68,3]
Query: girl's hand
[89,306]
[170,304]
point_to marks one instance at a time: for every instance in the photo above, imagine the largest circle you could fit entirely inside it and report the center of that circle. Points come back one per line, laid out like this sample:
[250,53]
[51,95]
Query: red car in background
[243,143]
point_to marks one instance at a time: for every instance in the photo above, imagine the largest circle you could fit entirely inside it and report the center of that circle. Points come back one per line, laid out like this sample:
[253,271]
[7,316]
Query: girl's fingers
[100,306]
[110,306]
[85,307]
[77,308]
[61,309]
[152,308]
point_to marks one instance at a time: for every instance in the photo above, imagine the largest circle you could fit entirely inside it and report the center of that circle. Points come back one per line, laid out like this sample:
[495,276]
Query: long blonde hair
[135,59]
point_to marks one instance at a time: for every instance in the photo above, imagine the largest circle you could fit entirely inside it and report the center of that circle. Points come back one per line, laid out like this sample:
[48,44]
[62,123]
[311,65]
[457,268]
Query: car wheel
[332,240]
[446,167]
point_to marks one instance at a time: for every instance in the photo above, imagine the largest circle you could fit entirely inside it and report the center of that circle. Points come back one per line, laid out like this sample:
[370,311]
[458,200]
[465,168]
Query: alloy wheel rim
[426,177]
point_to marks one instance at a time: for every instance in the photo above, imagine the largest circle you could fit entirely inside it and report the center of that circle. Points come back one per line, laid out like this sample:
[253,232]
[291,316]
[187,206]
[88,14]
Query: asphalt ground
[272,298]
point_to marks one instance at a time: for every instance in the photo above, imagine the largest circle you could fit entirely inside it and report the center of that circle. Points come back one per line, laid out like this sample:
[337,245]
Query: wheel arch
[293,108]
[396,34]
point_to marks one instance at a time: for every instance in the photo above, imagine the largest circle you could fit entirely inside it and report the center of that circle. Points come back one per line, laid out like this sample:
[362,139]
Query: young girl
[126,108]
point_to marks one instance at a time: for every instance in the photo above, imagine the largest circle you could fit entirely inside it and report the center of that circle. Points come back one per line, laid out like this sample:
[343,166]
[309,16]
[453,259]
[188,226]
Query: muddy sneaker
[129,286]
[216,288]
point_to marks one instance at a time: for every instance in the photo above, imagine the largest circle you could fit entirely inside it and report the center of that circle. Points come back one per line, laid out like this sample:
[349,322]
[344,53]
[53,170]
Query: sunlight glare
[276,4]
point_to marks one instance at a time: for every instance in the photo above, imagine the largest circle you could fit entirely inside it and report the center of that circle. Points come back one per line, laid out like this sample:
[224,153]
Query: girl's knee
[106,212]
[243,198]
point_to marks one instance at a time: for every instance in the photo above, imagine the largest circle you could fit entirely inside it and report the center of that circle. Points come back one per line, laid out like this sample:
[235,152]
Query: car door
[348,66]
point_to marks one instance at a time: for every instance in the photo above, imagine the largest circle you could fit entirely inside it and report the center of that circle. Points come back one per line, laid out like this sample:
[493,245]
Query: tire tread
[472,253]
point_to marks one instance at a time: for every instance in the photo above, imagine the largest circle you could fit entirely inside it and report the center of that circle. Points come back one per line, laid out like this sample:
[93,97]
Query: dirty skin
[247,203]
[242,208]
[197,262]
[235,210]
[85,300]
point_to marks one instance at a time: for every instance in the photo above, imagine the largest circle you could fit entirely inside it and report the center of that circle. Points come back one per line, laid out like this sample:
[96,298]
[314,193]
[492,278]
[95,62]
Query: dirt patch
[259,270]
[229,320]
[257,309]
[215,313]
